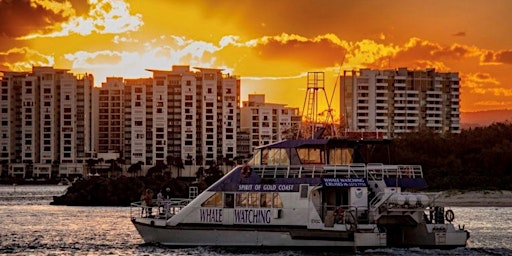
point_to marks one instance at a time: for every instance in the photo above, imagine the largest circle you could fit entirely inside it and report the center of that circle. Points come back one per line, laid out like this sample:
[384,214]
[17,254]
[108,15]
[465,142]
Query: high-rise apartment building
[399,101]
[268,122]
[138,121]
[111,116]
[45,122]
[195,115]
[184,114]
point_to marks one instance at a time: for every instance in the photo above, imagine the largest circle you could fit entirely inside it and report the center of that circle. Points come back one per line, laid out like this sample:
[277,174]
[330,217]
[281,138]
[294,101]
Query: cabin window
[266,200]
[256,159]
[214,201]
[311,156]
[275,157]
[276,201]
[254,200]
[241,200]
[229,200]
[257,200]
[340,156]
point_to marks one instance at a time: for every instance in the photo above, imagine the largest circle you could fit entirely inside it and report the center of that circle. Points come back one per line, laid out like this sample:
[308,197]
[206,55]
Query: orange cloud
[22,59]
[484,83]
[104,17]
[63,8]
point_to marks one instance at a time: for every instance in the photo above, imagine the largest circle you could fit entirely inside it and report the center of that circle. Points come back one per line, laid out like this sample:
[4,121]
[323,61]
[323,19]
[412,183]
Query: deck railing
[372,171]
[165,209]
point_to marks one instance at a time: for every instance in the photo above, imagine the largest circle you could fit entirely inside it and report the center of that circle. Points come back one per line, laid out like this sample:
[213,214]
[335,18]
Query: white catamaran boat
[305,193]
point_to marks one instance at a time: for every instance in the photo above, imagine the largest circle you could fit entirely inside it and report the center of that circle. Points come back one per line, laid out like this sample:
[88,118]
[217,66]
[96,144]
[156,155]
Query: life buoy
[246,171]
[449,215]
[338,215]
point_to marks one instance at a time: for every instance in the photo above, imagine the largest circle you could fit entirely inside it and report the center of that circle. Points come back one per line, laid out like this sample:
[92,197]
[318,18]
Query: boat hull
[157,232]
[242,237]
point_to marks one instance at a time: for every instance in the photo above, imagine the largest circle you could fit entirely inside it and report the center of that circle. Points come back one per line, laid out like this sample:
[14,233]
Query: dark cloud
[462,33]
[504,57]
[426,52]
[18,18]
[313,53]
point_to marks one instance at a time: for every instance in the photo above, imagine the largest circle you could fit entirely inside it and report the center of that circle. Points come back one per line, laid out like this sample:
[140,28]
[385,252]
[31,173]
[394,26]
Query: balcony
[434,125]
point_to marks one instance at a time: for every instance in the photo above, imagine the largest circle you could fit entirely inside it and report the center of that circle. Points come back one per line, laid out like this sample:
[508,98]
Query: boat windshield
[299,156]
[272,156]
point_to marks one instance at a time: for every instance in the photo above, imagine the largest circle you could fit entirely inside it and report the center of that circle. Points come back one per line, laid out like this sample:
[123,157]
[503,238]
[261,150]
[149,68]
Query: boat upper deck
[334,157]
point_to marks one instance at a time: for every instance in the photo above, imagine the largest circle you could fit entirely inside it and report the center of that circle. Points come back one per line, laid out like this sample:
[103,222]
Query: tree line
[476,158]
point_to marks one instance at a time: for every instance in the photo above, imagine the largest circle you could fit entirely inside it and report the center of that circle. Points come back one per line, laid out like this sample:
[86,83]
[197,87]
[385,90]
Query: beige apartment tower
[182,115]
[398,101]
[45,122]
[268,122]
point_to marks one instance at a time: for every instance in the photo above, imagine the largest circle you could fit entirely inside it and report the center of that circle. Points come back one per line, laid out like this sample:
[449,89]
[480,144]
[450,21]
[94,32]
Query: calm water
[30,226]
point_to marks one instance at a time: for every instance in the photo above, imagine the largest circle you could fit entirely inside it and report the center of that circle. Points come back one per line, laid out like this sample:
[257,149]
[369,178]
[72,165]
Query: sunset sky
[271,45]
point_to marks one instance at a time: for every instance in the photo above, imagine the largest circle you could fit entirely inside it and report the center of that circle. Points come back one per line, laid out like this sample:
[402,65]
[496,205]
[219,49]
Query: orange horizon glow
[270,46]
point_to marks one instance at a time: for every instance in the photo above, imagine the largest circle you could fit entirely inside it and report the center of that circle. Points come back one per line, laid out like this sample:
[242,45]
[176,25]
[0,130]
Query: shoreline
[477,198]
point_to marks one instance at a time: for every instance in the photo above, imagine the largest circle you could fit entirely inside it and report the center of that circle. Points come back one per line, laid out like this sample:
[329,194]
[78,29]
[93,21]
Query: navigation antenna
[312,128]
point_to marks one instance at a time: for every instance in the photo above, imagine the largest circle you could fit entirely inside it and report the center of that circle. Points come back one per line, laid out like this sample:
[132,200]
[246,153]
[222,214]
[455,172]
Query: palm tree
[90,164]
[179,163]
[238,159]
[114,167]
[157,169]
[176,162]
[121,163]
[135,168]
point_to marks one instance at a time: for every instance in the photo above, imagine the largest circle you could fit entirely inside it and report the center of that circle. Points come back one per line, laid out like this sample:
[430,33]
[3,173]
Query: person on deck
[166,199]
[149,201]
[143,202]
[160,201]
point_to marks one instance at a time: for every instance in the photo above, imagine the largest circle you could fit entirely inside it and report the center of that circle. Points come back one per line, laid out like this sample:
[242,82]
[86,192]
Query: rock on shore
[121,191]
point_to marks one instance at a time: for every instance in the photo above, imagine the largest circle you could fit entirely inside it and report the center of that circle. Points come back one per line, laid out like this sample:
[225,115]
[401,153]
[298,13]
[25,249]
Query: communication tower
[312,127]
